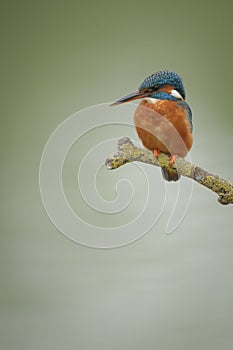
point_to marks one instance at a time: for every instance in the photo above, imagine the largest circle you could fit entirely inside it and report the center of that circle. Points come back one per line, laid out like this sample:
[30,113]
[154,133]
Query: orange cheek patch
[166,88]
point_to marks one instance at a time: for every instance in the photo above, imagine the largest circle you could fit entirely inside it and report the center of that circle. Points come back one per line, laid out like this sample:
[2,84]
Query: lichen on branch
[127,153]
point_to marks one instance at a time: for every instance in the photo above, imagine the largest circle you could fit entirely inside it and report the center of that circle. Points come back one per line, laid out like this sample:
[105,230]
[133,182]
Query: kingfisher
[163,119]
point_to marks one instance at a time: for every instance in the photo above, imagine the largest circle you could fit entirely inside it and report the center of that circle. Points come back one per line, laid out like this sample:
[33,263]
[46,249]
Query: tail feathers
[169,176]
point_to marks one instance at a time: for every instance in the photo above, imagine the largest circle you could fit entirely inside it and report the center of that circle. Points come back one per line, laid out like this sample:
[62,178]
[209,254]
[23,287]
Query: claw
[173,158]
[156,153]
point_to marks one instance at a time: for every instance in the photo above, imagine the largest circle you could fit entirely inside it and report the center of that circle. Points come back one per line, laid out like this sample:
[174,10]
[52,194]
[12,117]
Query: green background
[163,291]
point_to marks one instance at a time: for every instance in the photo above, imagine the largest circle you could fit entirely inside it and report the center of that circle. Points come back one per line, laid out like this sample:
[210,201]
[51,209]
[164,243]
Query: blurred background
[162,291]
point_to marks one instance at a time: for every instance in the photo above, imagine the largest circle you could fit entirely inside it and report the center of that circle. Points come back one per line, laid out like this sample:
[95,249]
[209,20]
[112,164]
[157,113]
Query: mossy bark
[127,153]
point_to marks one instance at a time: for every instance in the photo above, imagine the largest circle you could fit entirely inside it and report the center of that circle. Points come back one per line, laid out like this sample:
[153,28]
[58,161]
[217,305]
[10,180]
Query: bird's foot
[156,153]
[172,159]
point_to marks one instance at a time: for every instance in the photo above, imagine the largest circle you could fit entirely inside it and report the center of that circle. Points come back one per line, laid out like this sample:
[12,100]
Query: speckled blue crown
[164,77]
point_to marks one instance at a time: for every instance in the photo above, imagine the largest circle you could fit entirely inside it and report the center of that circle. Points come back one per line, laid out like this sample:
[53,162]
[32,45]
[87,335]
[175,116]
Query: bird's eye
[153,88]
[149,90]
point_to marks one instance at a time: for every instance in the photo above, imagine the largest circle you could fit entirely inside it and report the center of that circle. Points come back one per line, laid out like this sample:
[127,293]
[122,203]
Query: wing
[188,112]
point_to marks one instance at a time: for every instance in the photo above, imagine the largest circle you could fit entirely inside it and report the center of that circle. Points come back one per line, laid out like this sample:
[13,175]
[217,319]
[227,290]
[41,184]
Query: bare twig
[127,153]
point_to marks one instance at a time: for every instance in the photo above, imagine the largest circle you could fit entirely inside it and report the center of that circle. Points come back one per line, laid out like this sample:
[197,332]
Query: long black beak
[133,96]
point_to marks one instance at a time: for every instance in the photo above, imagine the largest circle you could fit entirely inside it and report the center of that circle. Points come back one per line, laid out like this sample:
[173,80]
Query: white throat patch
[150,99]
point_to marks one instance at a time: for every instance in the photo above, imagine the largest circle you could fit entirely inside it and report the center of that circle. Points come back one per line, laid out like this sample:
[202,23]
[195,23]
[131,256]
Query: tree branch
[127,153]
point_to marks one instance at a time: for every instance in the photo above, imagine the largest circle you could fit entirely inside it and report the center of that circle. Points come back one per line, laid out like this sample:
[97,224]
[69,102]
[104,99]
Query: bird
[163,119]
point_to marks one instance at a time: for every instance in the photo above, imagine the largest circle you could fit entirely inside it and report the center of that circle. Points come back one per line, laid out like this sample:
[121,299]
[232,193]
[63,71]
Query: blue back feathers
[164,77]
[188,112]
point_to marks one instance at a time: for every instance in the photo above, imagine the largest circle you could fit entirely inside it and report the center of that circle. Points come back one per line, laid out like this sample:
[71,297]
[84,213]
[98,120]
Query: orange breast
[164,126]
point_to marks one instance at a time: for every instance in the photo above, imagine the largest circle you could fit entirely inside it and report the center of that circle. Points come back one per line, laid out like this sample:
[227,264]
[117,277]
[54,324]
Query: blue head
[163,82]
[163,85]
